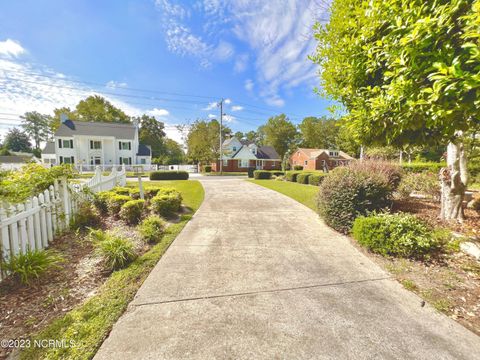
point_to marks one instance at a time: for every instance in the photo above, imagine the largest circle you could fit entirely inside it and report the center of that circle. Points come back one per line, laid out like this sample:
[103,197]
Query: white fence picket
[33,224]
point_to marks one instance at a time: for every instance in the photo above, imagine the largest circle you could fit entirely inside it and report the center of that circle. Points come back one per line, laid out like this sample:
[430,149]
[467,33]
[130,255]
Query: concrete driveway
[256,275]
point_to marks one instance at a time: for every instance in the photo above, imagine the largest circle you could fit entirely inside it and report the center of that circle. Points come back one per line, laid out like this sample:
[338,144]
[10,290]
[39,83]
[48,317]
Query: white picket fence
[34,223]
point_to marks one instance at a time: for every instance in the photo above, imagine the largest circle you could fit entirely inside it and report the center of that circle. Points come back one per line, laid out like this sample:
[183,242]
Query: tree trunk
[453,181]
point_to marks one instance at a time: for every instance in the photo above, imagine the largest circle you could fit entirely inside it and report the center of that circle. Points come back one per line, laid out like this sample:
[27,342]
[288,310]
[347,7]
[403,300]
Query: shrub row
[266,174]
[169,175]
[417,167]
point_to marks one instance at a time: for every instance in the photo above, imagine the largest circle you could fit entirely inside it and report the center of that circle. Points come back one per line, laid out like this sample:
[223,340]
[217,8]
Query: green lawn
[305,194]
[225,174]
[86,326]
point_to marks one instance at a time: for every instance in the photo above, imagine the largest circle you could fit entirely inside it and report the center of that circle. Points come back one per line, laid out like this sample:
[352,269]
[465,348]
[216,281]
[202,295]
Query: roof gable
[117,130]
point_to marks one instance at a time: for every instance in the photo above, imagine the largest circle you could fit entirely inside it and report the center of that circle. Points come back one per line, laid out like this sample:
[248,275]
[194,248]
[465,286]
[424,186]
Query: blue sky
[190,53]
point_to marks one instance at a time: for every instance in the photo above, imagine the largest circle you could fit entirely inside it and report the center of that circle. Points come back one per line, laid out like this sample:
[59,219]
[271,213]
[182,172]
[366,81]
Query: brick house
[318,159]
[239,155]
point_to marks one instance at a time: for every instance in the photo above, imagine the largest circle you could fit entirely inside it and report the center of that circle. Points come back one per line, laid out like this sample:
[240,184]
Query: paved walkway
[256,275]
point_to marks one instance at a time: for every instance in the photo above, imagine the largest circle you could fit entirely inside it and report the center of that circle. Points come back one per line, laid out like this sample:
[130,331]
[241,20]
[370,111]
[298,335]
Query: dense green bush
[119,190]
[152,229]
[115,202]
[169,175]
[388,170]
[166,204]
[303,178]
[426,183]
[316,179]
[207,168]
[297,167]
[401,235]
[135,193]
[251,170]
[277,172]
[32,264]
[292,175]
[116,251]
[347,193]
[131,212]
[100,200]
[87,216]
[417,167]
[262,175]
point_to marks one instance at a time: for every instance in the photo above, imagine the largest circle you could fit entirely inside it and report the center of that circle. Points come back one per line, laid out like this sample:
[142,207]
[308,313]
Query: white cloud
[11,49]
[114,84]
[210,106]
[229,118]
[158,112]
[227,101]
[241,62]
[237,108]
[212,116]
[249,85]
[224,51]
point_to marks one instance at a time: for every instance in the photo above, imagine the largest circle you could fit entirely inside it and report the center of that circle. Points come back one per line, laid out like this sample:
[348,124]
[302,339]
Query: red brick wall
[299,158]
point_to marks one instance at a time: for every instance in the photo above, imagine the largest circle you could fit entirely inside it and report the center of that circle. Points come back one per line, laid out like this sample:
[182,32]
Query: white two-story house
[87,144]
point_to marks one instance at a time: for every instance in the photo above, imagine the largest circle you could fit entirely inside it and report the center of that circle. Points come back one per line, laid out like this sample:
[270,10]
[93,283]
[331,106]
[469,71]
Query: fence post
[48,212]
[5,249]
[55,196]
[30,230]
[43,221]
[36,219]
[66,201]
[22,224]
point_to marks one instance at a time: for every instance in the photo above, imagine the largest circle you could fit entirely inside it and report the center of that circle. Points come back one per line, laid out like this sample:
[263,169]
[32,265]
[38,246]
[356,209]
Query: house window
[95,144]
[67,160]
[95,160]
[67,144]
[259,163]
[333,153]
[225,162]
[243,163]
[126,160]
[124,145]
[143,161]
[234,148]
[306,162]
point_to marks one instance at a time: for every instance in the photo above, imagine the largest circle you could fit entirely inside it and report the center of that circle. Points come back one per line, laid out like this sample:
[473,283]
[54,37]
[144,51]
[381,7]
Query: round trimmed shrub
[131,212]
[262,175]
[87,216]
[115,202]
[303,178]
[120,190]
[207,168]
[401,235]
[347,193]
[292,175]
[166,204]
[316,179]
[169,175]
[297,167]
[152,229]
[100,200]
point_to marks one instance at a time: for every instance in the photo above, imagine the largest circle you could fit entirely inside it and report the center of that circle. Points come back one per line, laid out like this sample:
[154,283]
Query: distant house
[239,155]
[319,159]
[88,144]
[16,160]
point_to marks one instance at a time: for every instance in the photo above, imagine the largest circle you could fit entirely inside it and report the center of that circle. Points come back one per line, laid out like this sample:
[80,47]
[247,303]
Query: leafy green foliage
[298,167]
[169,175]
[303,177]
[97,108]
[32,264]
[87,216]
[400,235]
[100,200]
[152,229]
[417,167]
[319,133]
[30,180]
[131,212]
[207,168]
[16,140]
[347,193]
[152,132]
[115,203]
[116,251]
[262,175]
[292,175]
[316,179]
[36,126]
[425,183]
[166,204]
[280,133]
[203,141]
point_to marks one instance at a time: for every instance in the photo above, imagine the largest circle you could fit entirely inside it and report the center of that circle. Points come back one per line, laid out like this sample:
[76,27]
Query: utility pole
[220,104]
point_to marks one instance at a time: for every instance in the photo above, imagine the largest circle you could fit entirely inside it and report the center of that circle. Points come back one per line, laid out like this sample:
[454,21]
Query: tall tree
[407,73]
[239,135]
[280,133]
[16,140]
[203,141]
[152,133]
[97,108]
[319,133]
[172,153]
[36,126]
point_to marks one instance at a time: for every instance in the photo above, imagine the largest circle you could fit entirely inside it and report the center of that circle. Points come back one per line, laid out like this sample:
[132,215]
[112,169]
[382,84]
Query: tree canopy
[36,126]
[203,141]
[279,132]
[318,133]
[152,133]
[16,140]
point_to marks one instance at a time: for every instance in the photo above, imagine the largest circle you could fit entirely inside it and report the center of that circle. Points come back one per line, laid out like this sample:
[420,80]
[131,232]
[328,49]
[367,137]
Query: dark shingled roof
[14,159]
[267,152]
[118,130]
[143,150]
[49,148]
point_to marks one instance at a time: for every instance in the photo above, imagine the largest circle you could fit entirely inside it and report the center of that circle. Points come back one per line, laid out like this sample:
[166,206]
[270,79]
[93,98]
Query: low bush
[277,172]
[100,200]
[280,178]
[251,170]
[32,264]
[120,190]
[207,168]
[87,216]
[347,193]
[117,252]
[262,175]
[166,204]
[292,175]
[388,170]
[316,179]
[401,235]
[417,167]
[169,175]
[297,167]
[115,202]
[131,212]
[303,178]
[152,229]
[135,193]
[426,183]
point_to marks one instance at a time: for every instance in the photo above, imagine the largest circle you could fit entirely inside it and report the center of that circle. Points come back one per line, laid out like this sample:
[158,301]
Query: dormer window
[333,153]
[234,148]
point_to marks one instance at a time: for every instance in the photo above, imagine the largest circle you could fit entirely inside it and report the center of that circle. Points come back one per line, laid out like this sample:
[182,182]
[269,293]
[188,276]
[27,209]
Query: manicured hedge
[262,175]
[277,172]
[292,175]
[402,235]
[297,167]
[207,168]
[169,175]
[417,167]
[167,204]
[316,179]
[303,178]
[131,212]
